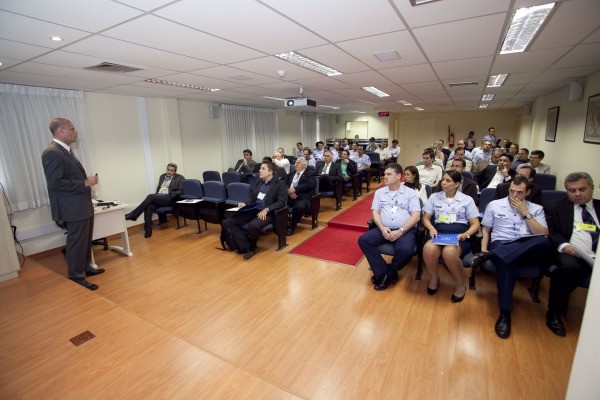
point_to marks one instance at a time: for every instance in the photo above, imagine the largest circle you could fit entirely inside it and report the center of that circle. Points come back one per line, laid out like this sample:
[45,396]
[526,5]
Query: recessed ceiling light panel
[523,27]
[307,63]
[487,97]
[181,85]
[375,91]
[496,80]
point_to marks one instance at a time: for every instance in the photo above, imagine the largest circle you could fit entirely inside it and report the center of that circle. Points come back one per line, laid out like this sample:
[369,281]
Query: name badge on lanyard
[448,218]
[261,196]
[586,227]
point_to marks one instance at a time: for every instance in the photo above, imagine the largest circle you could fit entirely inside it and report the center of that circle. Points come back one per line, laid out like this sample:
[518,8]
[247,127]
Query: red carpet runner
[338,242]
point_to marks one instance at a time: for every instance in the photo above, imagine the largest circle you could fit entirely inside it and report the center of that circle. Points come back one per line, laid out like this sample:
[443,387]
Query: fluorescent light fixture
[419,109]
[404,102]
[56,38]
[272,98]
[307,63]
[484,105]
[487,97]
[375,91]
[523,27]
[332,107]
[459,84]
[241,77]
[419,2]
[181,85]
[496,80]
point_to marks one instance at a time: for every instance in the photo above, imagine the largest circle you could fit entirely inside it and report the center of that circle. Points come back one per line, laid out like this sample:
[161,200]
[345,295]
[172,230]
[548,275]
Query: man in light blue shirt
[396,211]
[482,153]
[518,237]
[491,136]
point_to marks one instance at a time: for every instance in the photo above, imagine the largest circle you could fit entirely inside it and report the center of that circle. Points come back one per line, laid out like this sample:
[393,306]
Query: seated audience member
[394,150]
[535,160]
[491,137]
[482,153]
[330,169]
[301,185]
[372,146]
[279,171]
[511,222]
[429,173]
[169,187]
[456,213]
[246,164]
[513,149]
[535,192]
[318,151]
[396,211]
[300,150]
[411,180]
[337,153]
[439,145]
[573,223]
[309,158]
[522,158]
[385,157]
[363,161]
[493,175]
[268,195]
[467,154]
[348,166]
[354,151]
[345,144]
[483,164]
[281,162]
[505,145]
[335,146]
[470,141]
[459,154]
[467,186]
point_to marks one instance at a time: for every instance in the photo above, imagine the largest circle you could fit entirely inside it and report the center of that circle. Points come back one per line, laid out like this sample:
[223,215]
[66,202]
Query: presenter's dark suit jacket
[306,184]
[175,186]
[70,199]
[248,168]
[560,215]
[535,196]
[469,187]
[335,172]
[485,176]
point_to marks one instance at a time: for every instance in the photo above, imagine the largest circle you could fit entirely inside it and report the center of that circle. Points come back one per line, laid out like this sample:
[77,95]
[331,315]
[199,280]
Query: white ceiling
[230,45]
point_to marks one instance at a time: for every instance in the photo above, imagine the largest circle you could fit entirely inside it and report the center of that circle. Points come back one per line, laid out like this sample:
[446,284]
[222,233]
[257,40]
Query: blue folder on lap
[446,239]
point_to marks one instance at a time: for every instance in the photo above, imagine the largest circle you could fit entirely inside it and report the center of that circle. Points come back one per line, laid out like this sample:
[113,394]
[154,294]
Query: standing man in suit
[301,185]
[573,224]
[493,175]
[268,194]
[69,189]
[169,187]
[535,191]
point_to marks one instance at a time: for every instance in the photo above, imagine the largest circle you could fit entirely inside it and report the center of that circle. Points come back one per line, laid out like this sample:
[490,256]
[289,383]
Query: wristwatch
[467,235]
[527,216]
[402,230]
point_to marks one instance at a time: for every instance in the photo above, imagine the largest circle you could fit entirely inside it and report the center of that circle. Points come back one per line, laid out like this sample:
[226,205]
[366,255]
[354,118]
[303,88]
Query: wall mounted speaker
[574,91]
[214,111]
[527,109]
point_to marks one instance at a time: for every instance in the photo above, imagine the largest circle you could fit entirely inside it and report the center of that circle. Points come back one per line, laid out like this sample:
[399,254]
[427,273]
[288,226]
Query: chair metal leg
[534,290]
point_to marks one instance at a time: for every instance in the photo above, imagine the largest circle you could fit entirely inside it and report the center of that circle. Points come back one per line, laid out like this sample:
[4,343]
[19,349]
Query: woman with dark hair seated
[452,212]
[411,180]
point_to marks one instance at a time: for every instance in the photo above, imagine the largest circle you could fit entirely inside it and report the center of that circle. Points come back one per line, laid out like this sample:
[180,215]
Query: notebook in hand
[445,239]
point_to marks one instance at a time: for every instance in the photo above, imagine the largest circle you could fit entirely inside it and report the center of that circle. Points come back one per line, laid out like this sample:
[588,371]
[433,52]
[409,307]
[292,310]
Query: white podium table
[110,221]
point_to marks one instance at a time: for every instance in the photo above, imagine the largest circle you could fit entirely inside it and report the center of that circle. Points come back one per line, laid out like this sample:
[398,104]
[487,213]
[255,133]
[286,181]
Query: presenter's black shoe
[148,233]
[130,217]
[387,280]
[479,258]
[502,326]
[96,271]
[86,284]
[555,324]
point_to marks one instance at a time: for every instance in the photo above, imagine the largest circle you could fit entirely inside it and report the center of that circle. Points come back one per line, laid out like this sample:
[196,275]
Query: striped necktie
[588,219]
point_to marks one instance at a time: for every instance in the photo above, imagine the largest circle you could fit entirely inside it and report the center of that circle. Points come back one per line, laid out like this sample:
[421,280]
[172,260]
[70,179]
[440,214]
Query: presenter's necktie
[588,219]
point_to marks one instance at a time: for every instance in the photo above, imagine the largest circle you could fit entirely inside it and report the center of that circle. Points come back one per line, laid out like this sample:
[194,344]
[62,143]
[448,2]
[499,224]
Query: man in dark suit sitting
[493,175]
[268,194]
[301,185]
[467,186]
[246,164]
[330,169]
[69,189]
[169,187]
[535,194]
[573,223]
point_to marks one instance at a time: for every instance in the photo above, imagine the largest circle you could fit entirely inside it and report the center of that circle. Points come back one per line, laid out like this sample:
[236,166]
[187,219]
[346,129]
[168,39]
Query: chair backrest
[211,176]
[191,189]
[252,179]
[487,195]
[257,168]
[239,192]
[373,156]
[215,190]
[549,196]
[428,190]
[468,175]
[231,177]
[325,185]
[293,167]
[545,181]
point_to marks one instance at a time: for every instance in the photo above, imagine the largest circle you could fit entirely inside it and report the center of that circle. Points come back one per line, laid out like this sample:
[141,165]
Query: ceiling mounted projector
[300,102]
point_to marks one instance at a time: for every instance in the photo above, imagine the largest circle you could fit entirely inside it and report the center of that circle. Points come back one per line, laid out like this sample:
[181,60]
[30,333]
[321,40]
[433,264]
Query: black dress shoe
[96,271]
[386,280]
[456,299]
[289,232]
[148,233]
[502,326]
[86,284]
[479,258]
[375,279]
[555,324]
[249,254]
[130,217]
[431,291]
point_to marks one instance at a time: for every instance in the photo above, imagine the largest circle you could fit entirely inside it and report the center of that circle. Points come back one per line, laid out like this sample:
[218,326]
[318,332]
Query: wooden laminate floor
[182,320]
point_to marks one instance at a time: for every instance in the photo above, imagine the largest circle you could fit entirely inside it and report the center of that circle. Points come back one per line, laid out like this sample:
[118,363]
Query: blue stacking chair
[214,191]
[231,177]
[211,176]
[545,181]
[238,192]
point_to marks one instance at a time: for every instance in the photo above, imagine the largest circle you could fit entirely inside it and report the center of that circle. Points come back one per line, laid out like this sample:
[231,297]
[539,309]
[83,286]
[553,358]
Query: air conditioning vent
[110,67]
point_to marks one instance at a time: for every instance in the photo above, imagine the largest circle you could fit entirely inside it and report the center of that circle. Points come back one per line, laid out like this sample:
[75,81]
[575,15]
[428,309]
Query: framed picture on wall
[592,121]
[551,123]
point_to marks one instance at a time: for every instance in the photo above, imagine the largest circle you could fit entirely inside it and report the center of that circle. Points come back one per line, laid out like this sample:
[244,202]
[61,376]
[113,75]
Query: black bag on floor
[227,241]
